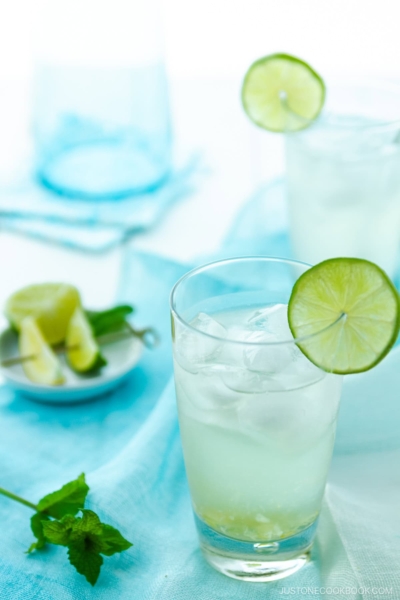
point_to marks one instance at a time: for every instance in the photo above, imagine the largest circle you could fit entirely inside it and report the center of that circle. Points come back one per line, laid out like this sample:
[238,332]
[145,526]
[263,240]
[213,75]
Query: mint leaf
[87,538]
[109,321]
[89,523]
[66,501]
[85,561]
[112,541]
[98,536]
[84,545]
[37,529]
[59,532]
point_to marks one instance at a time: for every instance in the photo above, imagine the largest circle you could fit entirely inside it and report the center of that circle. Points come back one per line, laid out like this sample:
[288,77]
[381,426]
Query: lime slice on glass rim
[83,353]
[344,314]
[282,93]
[52,304]
[43,367]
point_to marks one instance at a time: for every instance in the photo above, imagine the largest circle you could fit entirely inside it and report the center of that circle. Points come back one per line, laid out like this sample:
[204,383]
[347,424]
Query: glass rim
[351,79]
[258,258]
[335,81]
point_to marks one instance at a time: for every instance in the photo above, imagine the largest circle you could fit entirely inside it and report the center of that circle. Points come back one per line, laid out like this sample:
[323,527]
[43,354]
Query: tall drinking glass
[257,418]
[343,177]
[101,118]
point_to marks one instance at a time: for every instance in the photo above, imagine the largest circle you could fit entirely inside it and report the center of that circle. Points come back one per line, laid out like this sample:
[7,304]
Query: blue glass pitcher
[101,119]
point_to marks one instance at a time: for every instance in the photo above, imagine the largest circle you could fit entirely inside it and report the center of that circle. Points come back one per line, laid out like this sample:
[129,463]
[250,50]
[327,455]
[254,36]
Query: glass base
[103,171]
[249,570]
[255,561]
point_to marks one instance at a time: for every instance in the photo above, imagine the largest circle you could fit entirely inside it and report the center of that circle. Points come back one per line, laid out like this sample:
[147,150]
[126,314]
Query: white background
[221,37]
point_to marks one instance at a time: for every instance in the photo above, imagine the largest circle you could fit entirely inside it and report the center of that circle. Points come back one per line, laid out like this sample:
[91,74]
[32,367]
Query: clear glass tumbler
[257,418]
[343,176]
[101,118]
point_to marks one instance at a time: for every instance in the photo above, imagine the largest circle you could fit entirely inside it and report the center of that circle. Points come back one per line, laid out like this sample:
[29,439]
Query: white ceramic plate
[121,356]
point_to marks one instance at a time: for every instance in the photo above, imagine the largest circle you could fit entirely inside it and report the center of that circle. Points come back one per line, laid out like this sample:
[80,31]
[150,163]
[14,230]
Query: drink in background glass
[343,177]
[101,117]
[257,418]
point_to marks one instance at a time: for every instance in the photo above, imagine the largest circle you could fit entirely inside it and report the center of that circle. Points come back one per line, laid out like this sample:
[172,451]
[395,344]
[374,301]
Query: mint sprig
[56,521]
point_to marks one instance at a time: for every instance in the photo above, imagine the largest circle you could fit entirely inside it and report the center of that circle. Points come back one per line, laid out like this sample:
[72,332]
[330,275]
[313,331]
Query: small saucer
[122,356]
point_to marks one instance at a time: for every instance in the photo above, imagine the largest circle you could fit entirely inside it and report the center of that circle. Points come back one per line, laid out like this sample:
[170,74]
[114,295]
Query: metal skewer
[147,336]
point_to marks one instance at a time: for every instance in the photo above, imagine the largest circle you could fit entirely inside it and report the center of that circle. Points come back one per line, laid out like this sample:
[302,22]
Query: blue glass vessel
[101,120]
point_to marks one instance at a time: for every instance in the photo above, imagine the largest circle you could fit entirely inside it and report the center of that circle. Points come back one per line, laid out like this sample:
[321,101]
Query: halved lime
[44,366]
[83,352]
[351,310]
[52,304]
[282,93]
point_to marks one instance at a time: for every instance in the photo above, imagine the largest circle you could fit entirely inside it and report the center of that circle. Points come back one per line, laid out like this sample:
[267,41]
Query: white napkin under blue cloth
[30,209]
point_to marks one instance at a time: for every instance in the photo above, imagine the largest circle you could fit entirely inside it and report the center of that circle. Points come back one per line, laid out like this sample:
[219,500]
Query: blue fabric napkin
[30,209]
[128,444]
[262,226]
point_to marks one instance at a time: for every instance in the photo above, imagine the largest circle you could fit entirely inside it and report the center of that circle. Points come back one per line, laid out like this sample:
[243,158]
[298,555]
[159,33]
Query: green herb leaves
[112,541]
[115,321]
[86,562]
[37,528]
[86,537]
[66,501]
[109,321]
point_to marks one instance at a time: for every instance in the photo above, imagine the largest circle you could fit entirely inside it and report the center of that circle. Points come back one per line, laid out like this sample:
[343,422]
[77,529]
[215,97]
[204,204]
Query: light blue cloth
[262,226]
[30,209]
[128,444]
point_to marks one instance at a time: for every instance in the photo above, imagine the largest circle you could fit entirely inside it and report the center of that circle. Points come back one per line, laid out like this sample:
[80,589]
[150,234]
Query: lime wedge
[351,310]
[45,368]
[83,353]
[52,304]
[282,93]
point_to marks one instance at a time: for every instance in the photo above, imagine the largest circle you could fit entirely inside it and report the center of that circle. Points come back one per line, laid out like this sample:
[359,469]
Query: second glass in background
[343,177]
[101,113]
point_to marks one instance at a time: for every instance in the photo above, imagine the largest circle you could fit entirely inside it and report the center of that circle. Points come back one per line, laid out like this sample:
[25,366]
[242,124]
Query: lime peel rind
[52,304]
[83,354]
[45,369]
[361,292]
[282,93]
